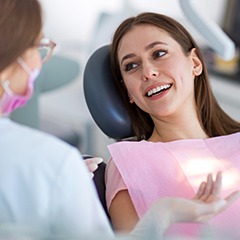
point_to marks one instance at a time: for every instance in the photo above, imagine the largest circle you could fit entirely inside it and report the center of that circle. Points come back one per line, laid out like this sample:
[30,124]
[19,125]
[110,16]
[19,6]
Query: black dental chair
[105,105]
[103,98]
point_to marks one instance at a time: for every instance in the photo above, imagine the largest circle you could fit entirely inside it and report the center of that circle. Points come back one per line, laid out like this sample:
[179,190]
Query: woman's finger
[217,186]
[232,197]
[200,191]
[208,188]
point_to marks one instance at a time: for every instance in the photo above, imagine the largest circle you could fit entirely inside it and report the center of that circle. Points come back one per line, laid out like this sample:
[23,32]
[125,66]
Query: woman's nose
[149,72]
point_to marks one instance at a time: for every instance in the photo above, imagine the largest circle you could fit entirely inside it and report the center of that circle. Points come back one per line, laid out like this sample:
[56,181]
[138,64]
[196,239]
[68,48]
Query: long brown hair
[20,26]
[213,119]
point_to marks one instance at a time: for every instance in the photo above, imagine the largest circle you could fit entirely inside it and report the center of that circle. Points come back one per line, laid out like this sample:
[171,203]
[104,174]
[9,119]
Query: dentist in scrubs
[44,183]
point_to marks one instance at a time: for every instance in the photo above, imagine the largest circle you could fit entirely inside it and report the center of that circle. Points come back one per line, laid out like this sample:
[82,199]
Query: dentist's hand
[92,163]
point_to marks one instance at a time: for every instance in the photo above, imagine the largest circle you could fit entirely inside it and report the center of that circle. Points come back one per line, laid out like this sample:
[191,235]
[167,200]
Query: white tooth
[157,89]
[163,87]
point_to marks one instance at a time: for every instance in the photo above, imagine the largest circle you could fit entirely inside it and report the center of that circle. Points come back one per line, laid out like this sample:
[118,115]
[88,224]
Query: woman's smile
[155,91]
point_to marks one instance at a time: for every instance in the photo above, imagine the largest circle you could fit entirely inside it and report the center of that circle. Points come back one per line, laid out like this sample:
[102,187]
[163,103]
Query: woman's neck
[176,129]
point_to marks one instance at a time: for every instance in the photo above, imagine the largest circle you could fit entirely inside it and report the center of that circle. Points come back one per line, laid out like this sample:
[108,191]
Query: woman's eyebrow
[149,46]
[130,55]
[153,44]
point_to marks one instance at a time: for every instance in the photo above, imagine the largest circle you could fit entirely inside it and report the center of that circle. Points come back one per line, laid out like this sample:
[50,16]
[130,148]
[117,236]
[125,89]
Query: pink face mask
[11,101]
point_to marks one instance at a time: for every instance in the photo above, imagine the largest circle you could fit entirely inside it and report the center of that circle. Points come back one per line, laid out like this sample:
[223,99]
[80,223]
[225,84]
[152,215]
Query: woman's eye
[130,66]
[159,53]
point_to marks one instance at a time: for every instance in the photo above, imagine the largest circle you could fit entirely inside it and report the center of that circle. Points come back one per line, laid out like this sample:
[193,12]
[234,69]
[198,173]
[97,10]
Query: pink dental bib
[175,169]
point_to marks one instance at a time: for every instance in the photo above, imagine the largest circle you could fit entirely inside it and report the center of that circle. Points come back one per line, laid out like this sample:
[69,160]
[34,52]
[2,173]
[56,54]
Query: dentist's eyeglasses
[45,48]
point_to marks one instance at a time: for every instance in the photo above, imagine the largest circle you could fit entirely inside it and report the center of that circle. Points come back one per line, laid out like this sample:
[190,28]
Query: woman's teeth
[158,90]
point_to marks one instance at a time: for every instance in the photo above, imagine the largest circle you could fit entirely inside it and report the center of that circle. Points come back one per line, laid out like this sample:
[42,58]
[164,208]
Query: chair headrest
[103,98]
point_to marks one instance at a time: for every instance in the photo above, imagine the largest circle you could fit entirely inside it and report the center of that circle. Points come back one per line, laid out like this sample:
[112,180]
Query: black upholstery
[103,98]
[99,181]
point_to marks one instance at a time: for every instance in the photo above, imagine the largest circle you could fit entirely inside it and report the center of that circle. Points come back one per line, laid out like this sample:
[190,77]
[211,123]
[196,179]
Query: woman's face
[158,76]
[17,76]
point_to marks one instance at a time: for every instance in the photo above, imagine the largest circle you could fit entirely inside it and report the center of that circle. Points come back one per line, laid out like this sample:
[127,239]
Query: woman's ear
[7,72]
[129,96]
[197,64]
[131,100]
[4,74]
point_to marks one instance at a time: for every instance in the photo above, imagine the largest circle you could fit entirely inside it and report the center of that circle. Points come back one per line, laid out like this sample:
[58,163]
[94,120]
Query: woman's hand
[206,204]
[211,190]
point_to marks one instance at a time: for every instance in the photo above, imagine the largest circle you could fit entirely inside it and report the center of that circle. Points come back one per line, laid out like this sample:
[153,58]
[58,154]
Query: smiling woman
[162,77]
[153,70]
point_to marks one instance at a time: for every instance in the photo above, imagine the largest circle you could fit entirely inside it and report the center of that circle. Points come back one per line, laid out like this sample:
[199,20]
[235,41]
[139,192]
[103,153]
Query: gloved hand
[206,204]
[92,163]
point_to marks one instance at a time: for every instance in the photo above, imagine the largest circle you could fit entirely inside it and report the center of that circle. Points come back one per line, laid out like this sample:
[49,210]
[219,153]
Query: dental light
[212,33]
